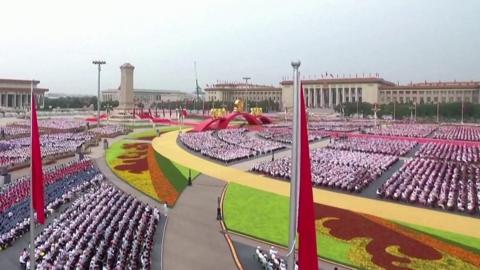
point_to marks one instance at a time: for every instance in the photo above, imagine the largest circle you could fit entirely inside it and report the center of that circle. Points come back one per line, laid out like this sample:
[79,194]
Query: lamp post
[411,112]
[99,63]
[438,112]
[394,111]
[246,79]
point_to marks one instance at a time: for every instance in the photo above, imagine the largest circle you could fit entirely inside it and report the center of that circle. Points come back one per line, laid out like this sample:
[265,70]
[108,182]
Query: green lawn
[468,242]
[151,132]
[177,174]
[114,150]
[264,215]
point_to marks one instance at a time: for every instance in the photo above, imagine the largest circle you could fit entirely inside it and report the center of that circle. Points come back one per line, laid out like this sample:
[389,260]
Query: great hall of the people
[327,93]
[15,94]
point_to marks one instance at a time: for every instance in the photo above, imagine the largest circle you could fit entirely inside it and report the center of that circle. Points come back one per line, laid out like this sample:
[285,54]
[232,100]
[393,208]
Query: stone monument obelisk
[125,100]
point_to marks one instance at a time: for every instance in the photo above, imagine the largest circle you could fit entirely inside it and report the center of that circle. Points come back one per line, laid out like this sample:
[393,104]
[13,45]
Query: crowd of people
[103,229]
[211,146]
[435,183]
[404,130]
[239,137]
[16,152]
[10,131]
[463,133]
[61,183]
[228,145]
[270,260]
[374,145]
[109,131]
[57,124]
[284,134]
[450,152]
[347,170]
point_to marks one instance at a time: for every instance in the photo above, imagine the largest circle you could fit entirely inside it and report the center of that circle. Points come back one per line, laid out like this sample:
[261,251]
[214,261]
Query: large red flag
[37,173]
[307,248]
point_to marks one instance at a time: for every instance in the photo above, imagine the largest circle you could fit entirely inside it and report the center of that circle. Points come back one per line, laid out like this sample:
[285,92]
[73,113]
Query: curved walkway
[168,147]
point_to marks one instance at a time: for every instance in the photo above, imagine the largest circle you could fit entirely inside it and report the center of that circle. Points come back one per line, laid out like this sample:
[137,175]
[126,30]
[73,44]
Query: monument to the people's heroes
[125,101]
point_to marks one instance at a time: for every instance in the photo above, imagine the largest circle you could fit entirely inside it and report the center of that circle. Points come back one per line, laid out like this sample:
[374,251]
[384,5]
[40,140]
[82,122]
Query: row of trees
[428,111]
[70,102]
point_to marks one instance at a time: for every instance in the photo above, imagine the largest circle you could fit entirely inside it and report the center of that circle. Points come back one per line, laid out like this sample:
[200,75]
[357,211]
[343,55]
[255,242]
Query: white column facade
[315,98]
[338,96]
[330,95]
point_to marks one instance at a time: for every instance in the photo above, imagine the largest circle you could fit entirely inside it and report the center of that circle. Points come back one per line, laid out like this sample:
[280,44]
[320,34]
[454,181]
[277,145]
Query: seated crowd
[103,229]
[404,130]
[109,131]
[346,170]
[58,124]
[11,131]
[284,134]
[239,137]
[464,133]
[374,145]
[209,145]
[15,152]
[61,183]
[435,183]
[270,260]
[450,152]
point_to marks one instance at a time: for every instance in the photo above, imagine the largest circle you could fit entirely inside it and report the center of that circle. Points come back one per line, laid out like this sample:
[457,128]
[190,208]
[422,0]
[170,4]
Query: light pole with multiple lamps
[246,79]
[99,63]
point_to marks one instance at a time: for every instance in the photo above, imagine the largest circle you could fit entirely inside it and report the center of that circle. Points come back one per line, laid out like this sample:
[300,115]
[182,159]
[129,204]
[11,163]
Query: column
[330,98]
[1,99]
[322,97]
[315,98]
[311,97]
[14,101]
[344,96]
[356,95]
[338,96]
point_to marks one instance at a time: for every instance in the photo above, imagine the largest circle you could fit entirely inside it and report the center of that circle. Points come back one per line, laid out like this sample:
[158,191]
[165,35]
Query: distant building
[147,97]
[15,94]
[229,92]
[330,92]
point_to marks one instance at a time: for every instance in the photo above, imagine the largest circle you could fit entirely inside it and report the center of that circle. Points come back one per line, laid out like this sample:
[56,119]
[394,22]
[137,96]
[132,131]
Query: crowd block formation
[346,170]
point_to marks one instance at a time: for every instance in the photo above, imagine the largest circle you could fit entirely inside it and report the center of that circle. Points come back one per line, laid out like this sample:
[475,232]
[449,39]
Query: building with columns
[231,91]
[15,94]
[328,93]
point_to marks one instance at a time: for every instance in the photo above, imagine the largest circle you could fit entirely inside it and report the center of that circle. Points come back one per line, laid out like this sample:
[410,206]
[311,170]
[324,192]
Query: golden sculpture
[218,112]
[238,105]
[257,111]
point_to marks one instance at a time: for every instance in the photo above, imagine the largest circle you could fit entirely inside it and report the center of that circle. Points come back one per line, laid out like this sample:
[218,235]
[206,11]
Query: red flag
[307,248]
[37,173]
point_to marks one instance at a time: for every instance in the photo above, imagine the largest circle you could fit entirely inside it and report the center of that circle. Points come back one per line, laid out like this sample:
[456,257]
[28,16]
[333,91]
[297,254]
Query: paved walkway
[168,147]
[194,239]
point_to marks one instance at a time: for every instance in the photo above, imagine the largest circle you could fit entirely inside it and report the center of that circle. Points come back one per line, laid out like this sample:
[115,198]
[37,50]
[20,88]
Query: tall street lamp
[99,63]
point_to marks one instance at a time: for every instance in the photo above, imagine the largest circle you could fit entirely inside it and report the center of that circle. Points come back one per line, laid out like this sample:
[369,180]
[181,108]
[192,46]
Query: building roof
[341,81]
[18,81]
[239,86]
[434,85]
[26,90]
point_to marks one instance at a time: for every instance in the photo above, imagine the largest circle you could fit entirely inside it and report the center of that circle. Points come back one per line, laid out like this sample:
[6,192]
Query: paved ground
[194,239]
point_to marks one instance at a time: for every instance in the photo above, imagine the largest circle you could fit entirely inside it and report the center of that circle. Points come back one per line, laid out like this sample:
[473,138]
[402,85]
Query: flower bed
[141,167]
[350,238]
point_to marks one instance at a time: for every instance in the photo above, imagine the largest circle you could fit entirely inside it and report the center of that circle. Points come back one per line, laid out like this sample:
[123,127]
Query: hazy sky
[403,40]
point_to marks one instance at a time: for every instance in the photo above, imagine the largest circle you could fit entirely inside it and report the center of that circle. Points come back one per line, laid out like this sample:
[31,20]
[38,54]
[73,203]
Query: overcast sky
[407,40]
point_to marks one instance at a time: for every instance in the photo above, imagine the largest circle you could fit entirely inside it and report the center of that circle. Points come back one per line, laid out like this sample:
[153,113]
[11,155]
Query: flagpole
[32,216]
[295,169]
